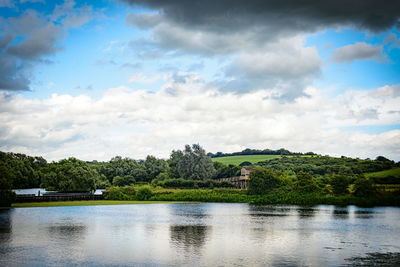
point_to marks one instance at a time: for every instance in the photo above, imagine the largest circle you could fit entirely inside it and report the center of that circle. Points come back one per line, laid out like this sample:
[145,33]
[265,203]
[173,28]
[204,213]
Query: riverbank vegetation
[192,175]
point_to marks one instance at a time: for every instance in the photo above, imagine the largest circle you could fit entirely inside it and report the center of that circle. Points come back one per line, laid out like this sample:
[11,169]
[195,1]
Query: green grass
[236,160]
[85,203]
[395,172]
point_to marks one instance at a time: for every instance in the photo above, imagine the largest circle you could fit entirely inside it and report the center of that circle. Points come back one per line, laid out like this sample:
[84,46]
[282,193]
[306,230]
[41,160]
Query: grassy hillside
[236,160]
[395,172]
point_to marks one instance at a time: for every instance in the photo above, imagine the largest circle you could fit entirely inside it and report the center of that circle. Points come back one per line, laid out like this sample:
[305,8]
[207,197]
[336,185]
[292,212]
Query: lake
[204,234]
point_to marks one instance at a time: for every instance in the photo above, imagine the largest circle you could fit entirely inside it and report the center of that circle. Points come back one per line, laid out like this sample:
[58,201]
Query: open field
[236,160]
[86,203]
[395,172]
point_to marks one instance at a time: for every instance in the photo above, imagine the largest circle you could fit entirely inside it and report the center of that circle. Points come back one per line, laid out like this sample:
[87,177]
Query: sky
[96,79]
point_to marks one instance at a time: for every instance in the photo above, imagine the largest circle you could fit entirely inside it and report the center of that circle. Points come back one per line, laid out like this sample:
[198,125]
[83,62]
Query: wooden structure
[241,182]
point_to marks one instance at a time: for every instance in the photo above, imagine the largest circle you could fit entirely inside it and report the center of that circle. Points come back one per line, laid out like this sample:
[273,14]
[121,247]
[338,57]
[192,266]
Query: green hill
[236,160]
[394,172]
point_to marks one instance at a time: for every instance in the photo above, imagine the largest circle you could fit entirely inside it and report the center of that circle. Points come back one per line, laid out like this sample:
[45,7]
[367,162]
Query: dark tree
[262,181]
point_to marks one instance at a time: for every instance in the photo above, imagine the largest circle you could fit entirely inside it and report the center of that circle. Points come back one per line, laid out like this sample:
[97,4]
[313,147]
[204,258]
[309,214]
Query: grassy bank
[226,195]
[276,198]
[85,203]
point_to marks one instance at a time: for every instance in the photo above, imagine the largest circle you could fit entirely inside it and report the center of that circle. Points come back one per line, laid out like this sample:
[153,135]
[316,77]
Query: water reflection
[5,221]
[204,234]
[189,236]
[306,212]
[256,211]
[341,213]
[67,232]
[364,214]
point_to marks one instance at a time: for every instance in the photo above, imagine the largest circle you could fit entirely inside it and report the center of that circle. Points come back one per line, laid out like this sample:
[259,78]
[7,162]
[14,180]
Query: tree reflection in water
[190,237]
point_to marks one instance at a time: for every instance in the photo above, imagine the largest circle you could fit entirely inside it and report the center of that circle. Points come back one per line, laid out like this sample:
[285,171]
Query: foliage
[305,183]
[25,170]
[121,181]
[364,188]
[245,163]
[224,171]
[6,195]
[70,175]
[182,183]
[262,181]
[154,167]
[192,164]
[144,193]
[340,184]
[249,151]
[324,165]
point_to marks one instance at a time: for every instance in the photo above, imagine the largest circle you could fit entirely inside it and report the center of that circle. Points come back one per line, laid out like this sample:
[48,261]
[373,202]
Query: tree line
[249,151]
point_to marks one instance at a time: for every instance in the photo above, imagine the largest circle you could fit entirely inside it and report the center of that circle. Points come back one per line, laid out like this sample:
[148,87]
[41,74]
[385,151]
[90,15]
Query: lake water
[205,234]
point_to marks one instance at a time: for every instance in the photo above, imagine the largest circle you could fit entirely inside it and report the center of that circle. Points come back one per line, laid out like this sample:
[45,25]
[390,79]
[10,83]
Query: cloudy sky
[95,79]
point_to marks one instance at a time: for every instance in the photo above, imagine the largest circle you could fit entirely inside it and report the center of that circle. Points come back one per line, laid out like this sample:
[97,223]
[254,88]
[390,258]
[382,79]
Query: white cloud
[141,78]
[137,123]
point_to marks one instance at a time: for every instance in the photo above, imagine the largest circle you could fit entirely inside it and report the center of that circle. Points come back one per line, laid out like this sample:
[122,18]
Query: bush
[262,181]
[364,188]
[125,180]
[6,198]
[306,183]
[144,193]
[340,184]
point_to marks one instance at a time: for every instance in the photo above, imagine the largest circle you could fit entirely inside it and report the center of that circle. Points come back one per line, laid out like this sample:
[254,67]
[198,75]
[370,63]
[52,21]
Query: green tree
[262,181]
[6,180]
[122,181]
[192,164]
[70,175]
[363,187]
[154,167]
[340,184]
[305,183]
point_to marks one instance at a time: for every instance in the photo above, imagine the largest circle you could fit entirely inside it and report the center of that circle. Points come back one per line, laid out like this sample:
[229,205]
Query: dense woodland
[192,168]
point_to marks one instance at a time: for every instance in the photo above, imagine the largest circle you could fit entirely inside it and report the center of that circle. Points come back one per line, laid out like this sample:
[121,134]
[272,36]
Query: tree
[305,183]
[6,180]
[363,187]
[340,184]
[192,163]
[262,181]
[154,167]
[70,175]
[245,163]
[122,181]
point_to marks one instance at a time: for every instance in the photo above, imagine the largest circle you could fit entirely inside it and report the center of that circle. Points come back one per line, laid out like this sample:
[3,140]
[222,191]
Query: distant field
[236,160]
[395,172]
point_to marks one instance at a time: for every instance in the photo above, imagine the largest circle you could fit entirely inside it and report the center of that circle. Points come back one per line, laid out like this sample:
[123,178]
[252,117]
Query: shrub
[262,181]
[340,184]
[144,193]
[364,188]
[305,183]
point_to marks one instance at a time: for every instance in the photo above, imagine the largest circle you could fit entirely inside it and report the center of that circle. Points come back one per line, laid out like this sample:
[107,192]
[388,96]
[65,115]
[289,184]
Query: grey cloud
[357,51]
[143,20]
[41,43]
[38,36]
[289,15]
